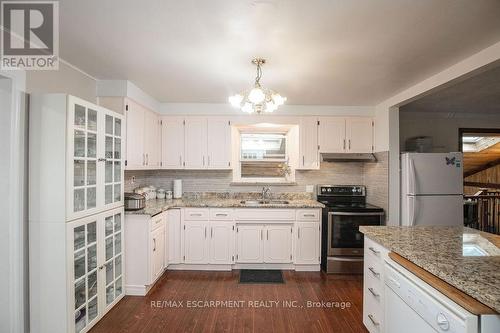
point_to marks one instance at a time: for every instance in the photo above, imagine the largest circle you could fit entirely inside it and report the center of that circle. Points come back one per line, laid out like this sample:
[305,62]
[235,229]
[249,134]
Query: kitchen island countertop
[441,252]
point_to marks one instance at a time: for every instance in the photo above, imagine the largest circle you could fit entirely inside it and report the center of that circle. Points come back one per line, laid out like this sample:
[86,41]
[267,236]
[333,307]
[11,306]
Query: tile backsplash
[372,174]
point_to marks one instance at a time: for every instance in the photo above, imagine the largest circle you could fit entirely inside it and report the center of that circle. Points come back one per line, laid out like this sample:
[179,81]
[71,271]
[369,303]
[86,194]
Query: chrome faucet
[265,192]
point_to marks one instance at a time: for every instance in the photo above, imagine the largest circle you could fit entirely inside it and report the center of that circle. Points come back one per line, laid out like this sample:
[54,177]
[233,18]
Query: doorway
[481,165]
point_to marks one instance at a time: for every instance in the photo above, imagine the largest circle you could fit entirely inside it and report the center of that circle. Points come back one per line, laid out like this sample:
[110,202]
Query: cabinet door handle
[372,319]
[205,232]
[143,159]
[298,232]
[211,232]
[180,160]
[195,214]
[349,144]
[373,292]
[261,234]
[373,250]
[309,215]
[303,160]
[102,159]
[344,144]
[267,234]
[203,160]
[374,272]
[208,160]
[147,158]
[220,214]
[154,244]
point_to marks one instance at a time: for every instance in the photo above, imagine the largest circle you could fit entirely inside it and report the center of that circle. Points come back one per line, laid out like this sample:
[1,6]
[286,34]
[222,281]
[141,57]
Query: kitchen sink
[264,202]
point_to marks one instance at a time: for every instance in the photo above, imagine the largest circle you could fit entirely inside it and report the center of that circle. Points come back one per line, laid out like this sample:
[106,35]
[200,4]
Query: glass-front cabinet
[95,269]
[95,156]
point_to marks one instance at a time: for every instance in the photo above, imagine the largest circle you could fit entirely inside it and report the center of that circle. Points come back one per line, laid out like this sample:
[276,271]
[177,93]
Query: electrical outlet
[132,180]
[310,188]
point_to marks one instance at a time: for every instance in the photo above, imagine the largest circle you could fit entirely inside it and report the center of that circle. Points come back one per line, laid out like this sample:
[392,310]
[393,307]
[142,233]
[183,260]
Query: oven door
[343,231]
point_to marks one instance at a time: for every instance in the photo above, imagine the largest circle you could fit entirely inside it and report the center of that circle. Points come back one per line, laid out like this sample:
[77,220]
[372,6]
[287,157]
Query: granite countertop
[156,206]
[439,250]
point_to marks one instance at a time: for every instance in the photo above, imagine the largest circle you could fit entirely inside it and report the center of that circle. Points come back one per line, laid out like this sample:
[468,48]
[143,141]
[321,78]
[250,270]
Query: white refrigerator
[431,189]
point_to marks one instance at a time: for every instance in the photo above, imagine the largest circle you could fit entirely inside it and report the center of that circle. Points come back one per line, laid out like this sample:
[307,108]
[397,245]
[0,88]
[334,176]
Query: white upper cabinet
[172,142]
[143,137]
[135,158]
[195,143]
[152,139]
[218,143]
[331,134]
[359,135]
[308,138]
[345,135]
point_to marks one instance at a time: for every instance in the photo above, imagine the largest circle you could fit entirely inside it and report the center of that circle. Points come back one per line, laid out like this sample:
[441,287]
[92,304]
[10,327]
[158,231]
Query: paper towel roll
[177,188]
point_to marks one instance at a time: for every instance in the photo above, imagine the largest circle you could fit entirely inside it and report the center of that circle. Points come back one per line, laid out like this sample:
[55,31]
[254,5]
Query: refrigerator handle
[413,209]
[412,179]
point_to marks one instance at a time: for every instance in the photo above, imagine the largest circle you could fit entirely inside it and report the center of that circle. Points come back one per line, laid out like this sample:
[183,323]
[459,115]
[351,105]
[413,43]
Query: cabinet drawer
[264,214]
[374,270]
[221,214]
[374,250]
[157,221]
[372,315]
[308,215]
[196,214]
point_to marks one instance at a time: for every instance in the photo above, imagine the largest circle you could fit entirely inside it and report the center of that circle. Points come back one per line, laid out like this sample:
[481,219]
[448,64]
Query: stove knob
[329,190]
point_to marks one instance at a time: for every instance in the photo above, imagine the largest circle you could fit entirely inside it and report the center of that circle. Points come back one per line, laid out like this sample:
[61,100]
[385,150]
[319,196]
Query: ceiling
[478,94]
[479,161]
[322,52]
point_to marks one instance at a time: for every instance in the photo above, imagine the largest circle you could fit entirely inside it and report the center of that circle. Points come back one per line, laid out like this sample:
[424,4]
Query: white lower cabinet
[249,240]
[174,236]
[278,244]
[373,286]
[208,241]
[157,252]
[146,240]
[221,242]
[307,247]
[258,243]
[196,242]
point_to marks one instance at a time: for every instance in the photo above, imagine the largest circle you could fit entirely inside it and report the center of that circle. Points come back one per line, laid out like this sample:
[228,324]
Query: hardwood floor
[138,314]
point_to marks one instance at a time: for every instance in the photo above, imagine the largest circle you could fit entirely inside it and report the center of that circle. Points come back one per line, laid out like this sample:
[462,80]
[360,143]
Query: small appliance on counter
[134,201]
[177,188]
[160,194]
[341,241]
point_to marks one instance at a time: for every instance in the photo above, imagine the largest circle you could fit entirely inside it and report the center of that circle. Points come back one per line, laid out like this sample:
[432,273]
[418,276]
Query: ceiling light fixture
[257,99]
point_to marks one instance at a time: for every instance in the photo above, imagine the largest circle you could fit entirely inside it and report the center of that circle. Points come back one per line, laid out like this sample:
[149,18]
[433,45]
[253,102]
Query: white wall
[68,79]
[13,227]
[443,128]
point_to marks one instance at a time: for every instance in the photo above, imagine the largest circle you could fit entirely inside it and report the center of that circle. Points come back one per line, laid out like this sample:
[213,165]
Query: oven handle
[355,214]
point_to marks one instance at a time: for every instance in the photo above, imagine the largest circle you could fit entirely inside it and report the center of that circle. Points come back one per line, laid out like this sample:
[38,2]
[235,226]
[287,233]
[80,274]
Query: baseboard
[132,290]
[264,266]
[198,267]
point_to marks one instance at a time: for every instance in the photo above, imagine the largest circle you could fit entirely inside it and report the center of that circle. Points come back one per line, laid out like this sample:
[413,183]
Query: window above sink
[263,154]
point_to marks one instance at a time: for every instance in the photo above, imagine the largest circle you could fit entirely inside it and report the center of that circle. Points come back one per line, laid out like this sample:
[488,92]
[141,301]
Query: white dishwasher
[412,306]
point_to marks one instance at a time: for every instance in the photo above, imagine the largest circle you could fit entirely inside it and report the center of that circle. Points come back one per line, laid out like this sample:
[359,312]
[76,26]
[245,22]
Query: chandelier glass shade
[257,99]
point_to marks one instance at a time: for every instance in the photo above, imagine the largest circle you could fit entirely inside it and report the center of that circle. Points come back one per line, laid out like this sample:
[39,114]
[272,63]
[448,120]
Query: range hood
[348,157]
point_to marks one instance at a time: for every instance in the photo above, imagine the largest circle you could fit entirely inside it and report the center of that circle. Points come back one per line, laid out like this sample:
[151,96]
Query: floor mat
[261,276]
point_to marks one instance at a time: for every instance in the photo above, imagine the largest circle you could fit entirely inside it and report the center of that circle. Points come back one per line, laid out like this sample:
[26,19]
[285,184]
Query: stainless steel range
[342,243]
